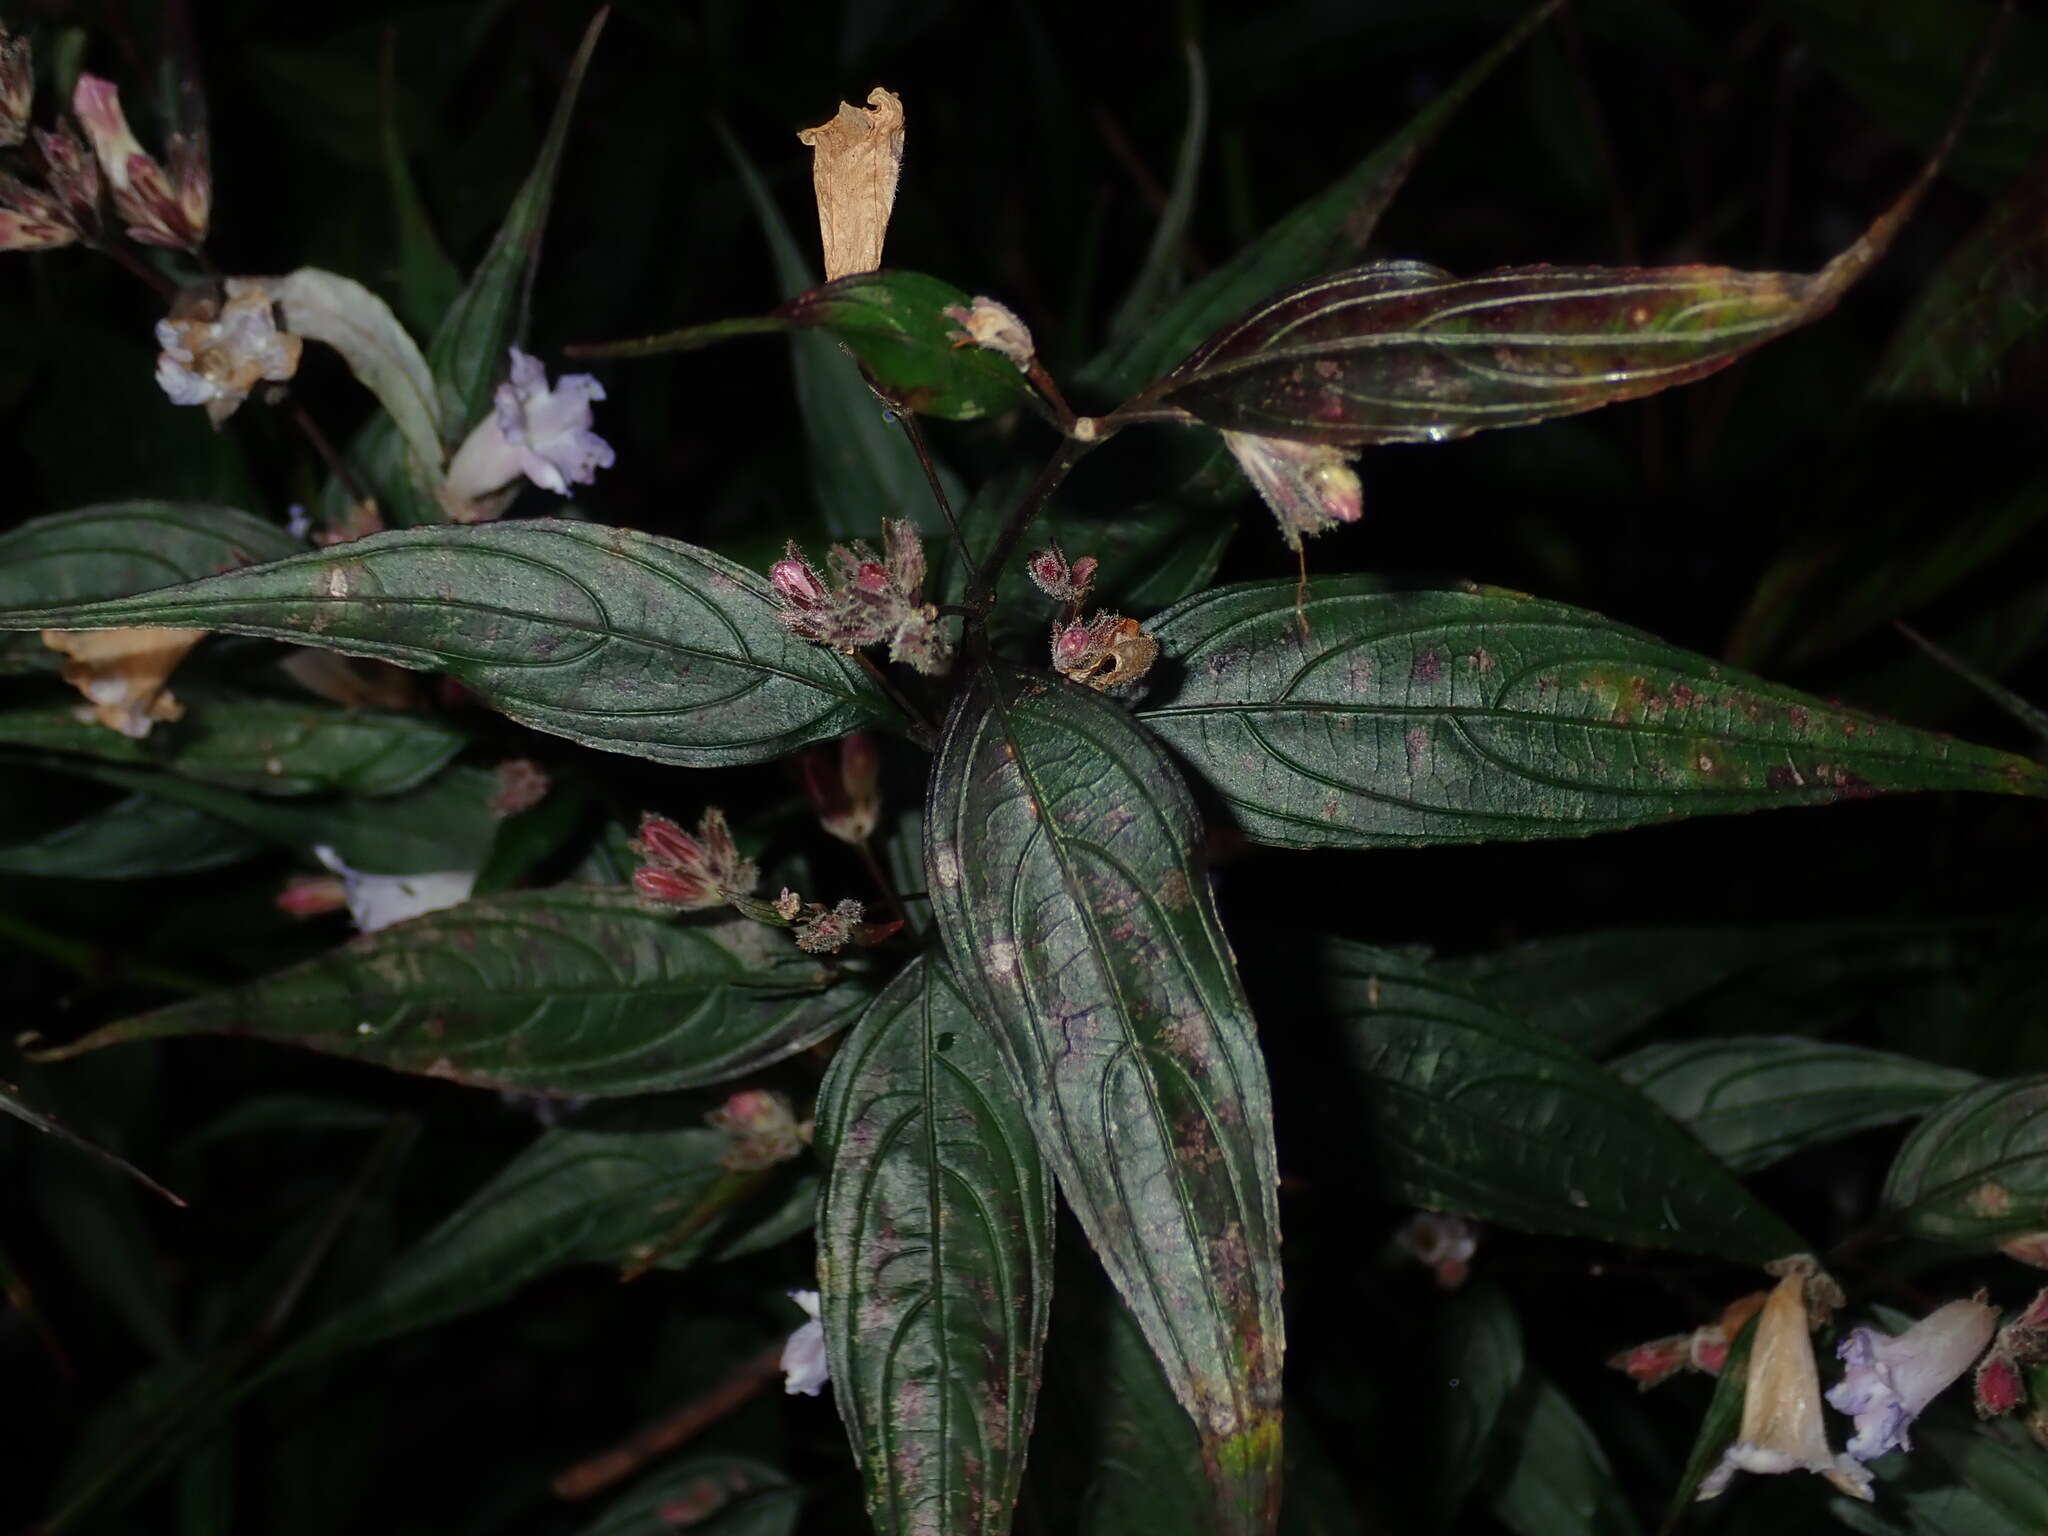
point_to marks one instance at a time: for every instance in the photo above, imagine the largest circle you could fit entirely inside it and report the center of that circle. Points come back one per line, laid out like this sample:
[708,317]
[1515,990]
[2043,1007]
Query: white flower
[1890,1380]
[804,1367]
[1781,1428]
[534,429]
[378,901]
[215,361]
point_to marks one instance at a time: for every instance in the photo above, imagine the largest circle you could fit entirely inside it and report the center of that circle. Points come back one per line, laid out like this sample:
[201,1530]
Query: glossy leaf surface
[267,746]
[1978,1169]
[616,639]
[1756,1098]
[934,1260]
[1063,857]
[1553,1477]
[135,838]
[567,991]
[707,1495]
[896,324]
[1469,1110]
[1409,717]
[337,310]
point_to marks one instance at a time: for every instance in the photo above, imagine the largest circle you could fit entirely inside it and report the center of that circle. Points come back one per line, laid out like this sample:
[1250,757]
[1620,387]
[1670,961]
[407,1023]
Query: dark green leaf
[12,1103]
[467,354]
[1553,1477]
[1063,857]
[1978,1169]
[707,1495]
[1477,1357]
[1998,1461]
[1988,296]
[934,1259]
[1403,352]
[615,639]
[123,547]
[1315,236]
[1468,1109]
[575,1196]
[1756,1098]
[1162,262]
[567,991]
[342,313]
[896,324]
[1409,717]
[133,839]
[264,745]
[1595,989]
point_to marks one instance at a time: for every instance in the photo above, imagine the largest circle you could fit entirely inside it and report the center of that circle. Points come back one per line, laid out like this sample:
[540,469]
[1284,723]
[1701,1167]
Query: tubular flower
[169,210]
[379,901]
[693,874]
[535,429]
[844,787]
[805,1370]
[1781,1428]
[1890,1380]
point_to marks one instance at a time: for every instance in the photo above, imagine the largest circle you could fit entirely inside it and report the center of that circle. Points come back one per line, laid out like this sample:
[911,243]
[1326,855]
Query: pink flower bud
[517,785]
[1660,1359]
[763,1129]
[796,582]
[1999,1387]
[841,787]
[1050,573]
[1072,648]
[1084,572]
[670,888]
[666,843]
[157,212]
[871,578]
[311,895]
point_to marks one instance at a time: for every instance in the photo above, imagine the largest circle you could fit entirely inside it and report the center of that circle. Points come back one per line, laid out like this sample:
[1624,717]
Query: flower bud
[312,895]
[672,889]
[517,785]
[842,787]
[666,843]
[158,212]
[1063,583]
[762,1127]
[1308,486]
[1657,1361]
[796,582]
[1999,1387]
[72,174]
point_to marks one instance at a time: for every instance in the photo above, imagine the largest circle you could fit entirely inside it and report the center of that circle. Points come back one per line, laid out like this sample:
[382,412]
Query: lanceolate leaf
[135,838]
[1369,716]
[1315,236]
[1062,855]
[1478,1348]
[706,1495]
[896,324]
[1553,1478]
[1978,1169]
[121,547]
[1467,1109]
[615,639]
[577,1195]
[566,991]
[1403,352]
[268,746]
[934,1259]
[1754,1099]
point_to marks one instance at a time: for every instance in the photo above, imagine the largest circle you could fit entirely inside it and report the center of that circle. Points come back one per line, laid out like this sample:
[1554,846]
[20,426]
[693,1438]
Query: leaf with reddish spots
[575,990]
[616,639]
[1063,856]
[934,1260]
[1976,1170]
[1368,715]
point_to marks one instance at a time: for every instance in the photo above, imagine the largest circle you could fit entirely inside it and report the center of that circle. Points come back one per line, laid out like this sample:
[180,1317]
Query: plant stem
[878,873]
[921,729]
[915,433]
[164,287]
[338,466]
[739,1386]
[729,1191]
[983,592]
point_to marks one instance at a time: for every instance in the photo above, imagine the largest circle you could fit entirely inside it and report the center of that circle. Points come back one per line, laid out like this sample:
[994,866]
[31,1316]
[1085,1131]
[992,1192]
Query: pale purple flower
[535,429]
[1890,1380]
[378,901]
[805,1370]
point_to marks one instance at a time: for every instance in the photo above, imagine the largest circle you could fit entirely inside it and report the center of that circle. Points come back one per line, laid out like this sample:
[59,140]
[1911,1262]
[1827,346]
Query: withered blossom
[1310,486]
[855,158]
[214,355]
[122,673]
[1107,652]
[994,328]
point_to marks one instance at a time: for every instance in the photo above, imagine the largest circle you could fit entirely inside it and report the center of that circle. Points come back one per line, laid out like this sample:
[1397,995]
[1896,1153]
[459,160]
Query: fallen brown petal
[122,673]
[854,162]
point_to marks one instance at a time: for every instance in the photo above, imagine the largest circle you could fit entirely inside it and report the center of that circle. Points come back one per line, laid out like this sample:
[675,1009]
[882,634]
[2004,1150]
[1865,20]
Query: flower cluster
[161,209]
[535,429]
[2001,1375]
[822,930]
[215,354]
[867,600]
[1704,1349]
[1107,652]
[691,874]
[1310,486]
